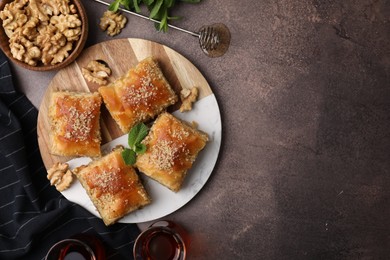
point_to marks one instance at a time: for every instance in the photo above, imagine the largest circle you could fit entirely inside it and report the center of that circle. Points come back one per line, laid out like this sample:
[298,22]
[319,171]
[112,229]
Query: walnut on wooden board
[112,22]
[60,176]
[188,97]
[47,30]
[96,72]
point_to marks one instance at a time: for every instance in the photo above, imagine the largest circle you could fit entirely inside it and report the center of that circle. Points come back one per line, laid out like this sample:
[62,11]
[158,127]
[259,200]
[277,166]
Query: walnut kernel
[188,97]
[60,176]
[112,22]
[14,16]
[56,7]
[96,72]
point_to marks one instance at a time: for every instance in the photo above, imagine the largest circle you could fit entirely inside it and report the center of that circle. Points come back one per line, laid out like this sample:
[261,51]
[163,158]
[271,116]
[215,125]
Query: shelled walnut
[14,16]
[69,25]
[96,72]
[188,97]
[56,7]
[112,22]
[41,31]
[60,176]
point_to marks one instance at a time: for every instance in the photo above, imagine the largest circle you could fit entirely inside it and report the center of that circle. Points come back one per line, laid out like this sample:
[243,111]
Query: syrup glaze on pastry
[114,187]
[74,124]
[172,147]
[141,94]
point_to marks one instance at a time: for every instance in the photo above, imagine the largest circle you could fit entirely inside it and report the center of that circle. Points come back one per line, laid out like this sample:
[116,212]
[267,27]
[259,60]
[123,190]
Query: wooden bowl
[77,46]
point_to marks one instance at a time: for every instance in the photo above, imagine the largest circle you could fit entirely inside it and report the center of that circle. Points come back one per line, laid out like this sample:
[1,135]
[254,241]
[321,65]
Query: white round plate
[164,201]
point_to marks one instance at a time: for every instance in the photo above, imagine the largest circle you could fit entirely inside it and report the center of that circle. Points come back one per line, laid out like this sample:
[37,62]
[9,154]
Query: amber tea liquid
[75,251]
[163,240]
[162,245]
[78,247]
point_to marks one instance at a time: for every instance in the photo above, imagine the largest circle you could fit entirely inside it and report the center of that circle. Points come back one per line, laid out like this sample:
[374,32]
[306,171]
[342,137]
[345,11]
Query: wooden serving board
[120,55]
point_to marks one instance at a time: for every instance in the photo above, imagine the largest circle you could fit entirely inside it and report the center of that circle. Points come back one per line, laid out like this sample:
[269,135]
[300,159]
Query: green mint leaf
[137,134]
[164,21]
[163,25]
[174,17]
[113,7]
[169,3]
[156,8]
[129,156]
[136,6]
[127,4]
[140,148]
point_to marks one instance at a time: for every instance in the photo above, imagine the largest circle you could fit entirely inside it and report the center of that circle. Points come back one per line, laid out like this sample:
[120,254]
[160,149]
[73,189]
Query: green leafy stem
[158,9]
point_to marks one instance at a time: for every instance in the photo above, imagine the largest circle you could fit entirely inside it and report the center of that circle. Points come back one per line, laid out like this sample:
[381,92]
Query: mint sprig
[135,137]
[129,156]
[159,9]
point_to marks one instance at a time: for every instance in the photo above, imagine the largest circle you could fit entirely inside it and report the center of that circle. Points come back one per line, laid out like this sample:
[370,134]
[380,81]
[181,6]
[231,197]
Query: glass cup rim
[67,240]
[168,229]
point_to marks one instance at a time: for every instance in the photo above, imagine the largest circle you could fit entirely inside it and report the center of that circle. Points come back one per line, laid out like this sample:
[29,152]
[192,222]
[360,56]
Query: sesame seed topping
[142,94]
[164,154]
[105,179]
[80,125]
[110,180]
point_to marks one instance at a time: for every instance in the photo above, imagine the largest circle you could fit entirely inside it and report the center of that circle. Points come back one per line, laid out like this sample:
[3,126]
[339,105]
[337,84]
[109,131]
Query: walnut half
[60,176]
[96,72]
[112,22]
[188,97]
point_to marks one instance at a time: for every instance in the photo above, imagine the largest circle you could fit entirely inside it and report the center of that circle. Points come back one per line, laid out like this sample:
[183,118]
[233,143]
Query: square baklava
[74,120]
[114,187]
[172,146]
[139,95]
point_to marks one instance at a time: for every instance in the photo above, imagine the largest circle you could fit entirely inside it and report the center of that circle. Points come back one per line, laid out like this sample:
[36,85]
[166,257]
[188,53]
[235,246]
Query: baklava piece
[114,187]
[74,124]
[141,94]
[172,147]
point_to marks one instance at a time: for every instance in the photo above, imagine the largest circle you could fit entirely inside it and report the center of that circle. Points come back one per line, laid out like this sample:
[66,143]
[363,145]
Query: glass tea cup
[78,247]
[163,240]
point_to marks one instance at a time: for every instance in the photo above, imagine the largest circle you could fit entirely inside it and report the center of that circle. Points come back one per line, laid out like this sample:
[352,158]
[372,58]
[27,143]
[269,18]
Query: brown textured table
[304,93]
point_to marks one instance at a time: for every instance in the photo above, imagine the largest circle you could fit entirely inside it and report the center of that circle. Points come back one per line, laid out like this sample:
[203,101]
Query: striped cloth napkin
[33,214]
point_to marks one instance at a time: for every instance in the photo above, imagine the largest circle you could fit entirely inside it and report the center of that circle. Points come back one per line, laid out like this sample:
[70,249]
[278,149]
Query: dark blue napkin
[33,214]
